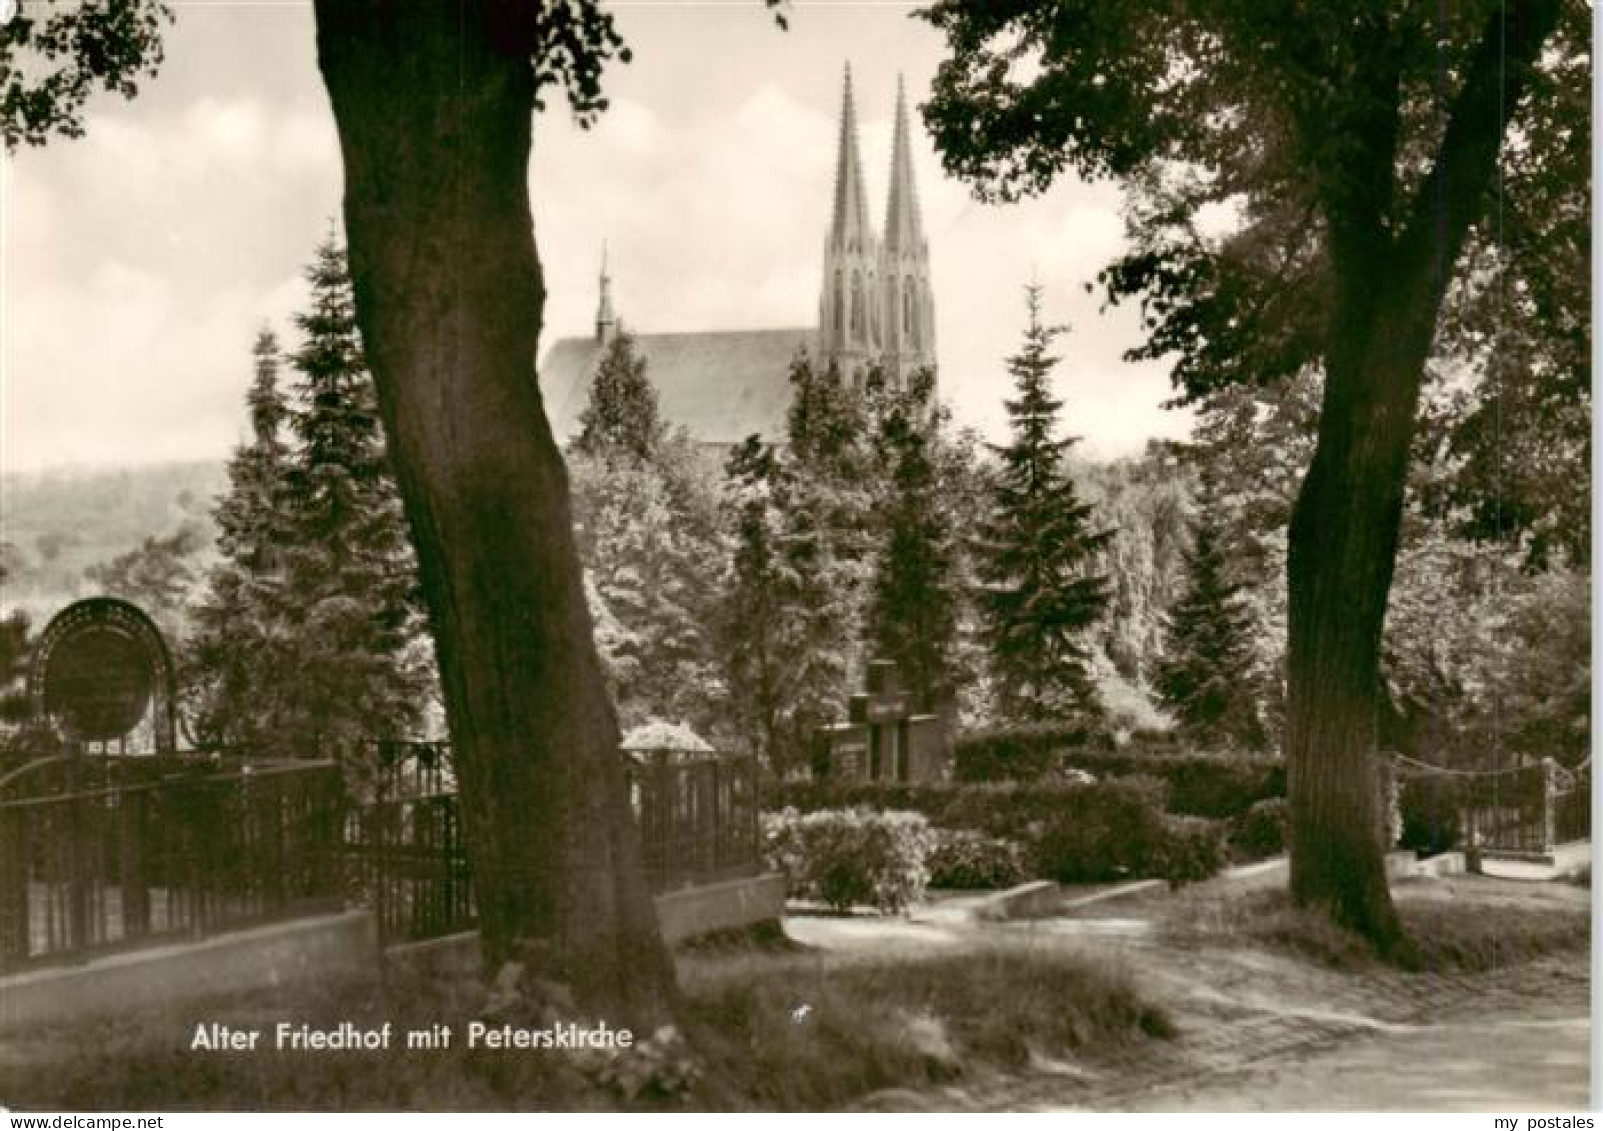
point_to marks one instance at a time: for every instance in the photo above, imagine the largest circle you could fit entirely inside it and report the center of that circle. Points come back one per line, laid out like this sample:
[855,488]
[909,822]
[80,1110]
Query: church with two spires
[876,305]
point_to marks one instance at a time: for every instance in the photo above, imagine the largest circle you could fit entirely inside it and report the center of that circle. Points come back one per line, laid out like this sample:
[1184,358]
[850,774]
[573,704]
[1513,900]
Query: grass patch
[866,1025]
[1480,937]
[816,1036]
[1460,932]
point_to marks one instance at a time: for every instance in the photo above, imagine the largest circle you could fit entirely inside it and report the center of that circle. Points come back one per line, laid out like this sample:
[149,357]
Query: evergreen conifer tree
[238,660]
[308,638]
[791,616]
[1203,677]
[621,418]
[348,560]
[1038,554]
[912,606]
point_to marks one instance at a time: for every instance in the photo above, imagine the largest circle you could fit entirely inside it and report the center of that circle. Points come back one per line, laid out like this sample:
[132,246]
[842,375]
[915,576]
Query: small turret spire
[606,320]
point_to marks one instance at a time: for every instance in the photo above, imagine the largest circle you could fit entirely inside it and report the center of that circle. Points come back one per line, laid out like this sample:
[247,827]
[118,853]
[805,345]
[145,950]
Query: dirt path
[1264,1031]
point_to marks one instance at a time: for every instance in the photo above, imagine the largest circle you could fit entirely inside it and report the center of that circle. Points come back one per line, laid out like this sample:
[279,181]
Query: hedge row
[1220,786]
[1090,833]
[1004,809]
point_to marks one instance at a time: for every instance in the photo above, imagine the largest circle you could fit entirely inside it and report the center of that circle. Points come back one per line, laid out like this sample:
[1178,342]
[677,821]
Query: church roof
[722,385]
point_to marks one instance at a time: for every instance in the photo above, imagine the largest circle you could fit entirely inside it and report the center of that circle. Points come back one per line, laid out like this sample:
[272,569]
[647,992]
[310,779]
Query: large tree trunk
[1387,294]
[1343,544]
[434,103]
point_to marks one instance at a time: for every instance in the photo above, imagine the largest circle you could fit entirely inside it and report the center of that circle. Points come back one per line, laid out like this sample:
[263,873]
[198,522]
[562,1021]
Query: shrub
[1019,754]
[1074,833]
[847,857]
[1261,830]
[969,860]
[1116,838]
[1012,811]
[1189,850]
[1221,785]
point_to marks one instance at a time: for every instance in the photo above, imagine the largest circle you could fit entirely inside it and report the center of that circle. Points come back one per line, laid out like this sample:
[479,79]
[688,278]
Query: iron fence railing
[115,853]
[105,866]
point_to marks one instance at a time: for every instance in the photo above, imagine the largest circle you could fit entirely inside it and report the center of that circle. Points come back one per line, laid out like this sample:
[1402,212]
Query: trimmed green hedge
[1007,810]
[1220,786]
[1020,754]
[1074,833]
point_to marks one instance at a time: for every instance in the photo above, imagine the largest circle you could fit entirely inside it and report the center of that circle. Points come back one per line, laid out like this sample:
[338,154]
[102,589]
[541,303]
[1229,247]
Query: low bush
[967,860]
[1009,810]
[1219,786]
[1189,850]
[1129,841]
[849,857]
[1115,838]
[1020,754]
[1261,831]
[1074,833]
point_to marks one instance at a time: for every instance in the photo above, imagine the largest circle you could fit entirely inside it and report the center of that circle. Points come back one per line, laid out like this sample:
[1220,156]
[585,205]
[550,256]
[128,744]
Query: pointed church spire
[606,321]
[904,230]
[849,226]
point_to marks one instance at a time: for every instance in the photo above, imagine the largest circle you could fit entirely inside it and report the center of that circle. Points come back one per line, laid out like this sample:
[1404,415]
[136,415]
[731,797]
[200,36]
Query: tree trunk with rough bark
[434,104]
[1387,294]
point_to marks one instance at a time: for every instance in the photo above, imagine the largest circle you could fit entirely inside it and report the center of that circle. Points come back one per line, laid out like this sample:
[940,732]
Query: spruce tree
[238,661]
[1202,679]
[620,419]
[361,672]
[912,606]
[309,639]
[1038,552]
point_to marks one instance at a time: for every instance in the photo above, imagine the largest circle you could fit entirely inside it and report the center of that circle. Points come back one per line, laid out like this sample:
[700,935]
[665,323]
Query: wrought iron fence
[1572,810]
[122,855]
[119,852]
[697,819]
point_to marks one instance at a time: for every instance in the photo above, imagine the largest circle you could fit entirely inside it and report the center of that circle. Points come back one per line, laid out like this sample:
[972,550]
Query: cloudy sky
[138,261]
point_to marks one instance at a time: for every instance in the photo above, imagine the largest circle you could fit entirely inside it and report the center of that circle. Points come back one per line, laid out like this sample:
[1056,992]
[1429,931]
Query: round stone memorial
[99,667]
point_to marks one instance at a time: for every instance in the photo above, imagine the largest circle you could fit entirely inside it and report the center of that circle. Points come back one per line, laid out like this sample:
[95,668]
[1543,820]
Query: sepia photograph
[659,556]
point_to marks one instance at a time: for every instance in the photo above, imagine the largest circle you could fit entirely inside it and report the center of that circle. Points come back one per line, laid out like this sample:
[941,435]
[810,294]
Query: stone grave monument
[882,739]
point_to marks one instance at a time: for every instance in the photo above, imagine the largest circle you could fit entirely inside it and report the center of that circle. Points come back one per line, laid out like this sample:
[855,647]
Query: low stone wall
[681,915]
[326,945]
[701,910]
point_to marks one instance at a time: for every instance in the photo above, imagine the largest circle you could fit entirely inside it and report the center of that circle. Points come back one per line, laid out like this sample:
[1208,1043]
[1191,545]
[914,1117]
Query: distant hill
[56,524]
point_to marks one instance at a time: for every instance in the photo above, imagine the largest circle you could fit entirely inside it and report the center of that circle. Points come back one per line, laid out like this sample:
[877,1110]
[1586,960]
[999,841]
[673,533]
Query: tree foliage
[1352,151]
[54,56]
[1210,645]
[912,601]
[797,521]
[647,528]
[16,648]
[1038,553]
[308,637]
[159,575]
[620,418]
